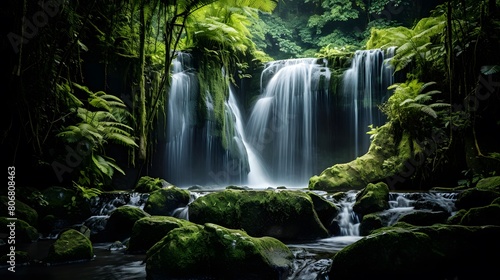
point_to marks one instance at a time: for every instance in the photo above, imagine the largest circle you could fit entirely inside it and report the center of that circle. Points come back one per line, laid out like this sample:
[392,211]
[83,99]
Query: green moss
[70,246]
[149,230]
[490,184]
[282,214]
[166,200]
[373,198]
[122,220]
[214,251]
[148,184]
[481,216]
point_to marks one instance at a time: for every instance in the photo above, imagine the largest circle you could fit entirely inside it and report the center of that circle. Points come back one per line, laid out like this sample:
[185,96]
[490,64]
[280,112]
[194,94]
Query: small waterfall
[104,204]
[364,88]
[347,219]
[283,124]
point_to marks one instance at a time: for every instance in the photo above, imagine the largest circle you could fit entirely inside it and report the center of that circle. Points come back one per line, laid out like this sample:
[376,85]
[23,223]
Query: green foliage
[408,107]
[421,44]
[93,130]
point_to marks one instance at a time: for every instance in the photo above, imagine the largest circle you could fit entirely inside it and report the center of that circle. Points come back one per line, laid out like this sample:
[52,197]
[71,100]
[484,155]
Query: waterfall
[201,149]
[364,87]
[181,119]
[347,219]
[283,124]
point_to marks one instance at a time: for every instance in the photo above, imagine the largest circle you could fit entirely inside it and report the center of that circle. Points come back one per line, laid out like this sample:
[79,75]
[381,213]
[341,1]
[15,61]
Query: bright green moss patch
[70,246]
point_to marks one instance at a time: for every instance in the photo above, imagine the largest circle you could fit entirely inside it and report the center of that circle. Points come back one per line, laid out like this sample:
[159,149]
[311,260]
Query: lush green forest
[87,80]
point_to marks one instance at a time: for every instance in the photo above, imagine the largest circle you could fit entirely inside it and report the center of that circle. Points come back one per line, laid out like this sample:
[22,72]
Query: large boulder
[431,252]
[473,198]
[385,160]
[283,214]
[163,202]
[373,198]
[69,247]
[149,230]
[215,252]
[481,216]
[121,222]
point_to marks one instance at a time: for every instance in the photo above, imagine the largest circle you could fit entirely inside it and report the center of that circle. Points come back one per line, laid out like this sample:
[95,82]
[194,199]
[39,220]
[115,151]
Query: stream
[312,259]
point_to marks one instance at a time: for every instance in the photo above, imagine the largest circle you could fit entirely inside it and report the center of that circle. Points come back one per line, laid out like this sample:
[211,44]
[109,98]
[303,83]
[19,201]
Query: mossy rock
[212,251]
[71,246]
[24,232]
[475,198]
[384,159]
[428,252]
[373,198]
[326,210]
[122,220]
[481,216]
[23,210]
[148,184]
[425,218]
[286,215]
[489,184]
[163,202]
[369,223]
[149,230]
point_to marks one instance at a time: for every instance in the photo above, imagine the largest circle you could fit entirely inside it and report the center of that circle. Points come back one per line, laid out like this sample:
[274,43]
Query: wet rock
[369,223]
[212,251]
[481,216]
[373,198]
[148,184]
[475,198]
[285,215]
[326,210]
[433,252]
[163,202]
[121,221]
[425,218]
[149,230]
[71,246]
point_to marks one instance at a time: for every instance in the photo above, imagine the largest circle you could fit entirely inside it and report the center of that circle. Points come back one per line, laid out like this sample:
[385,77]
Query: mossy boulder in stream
[121,221]
[384,161]
[69,247]
[373,198]
[215,252]
[283,214]
[490,184]
[428,252]
[149,230]
[163,202]
[148,184]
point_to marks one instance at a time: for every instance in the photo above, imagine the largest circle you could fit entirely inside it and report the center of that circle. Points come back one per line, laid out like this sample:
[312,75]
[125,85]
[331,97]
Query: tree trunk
[143,141]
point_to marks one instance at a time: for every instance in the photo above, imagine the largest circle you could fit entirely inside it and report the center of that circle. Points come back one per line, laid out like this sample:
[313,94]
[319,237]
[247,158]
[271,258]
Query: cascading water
[197,151]
[364,87]
[181,119]
[283,124]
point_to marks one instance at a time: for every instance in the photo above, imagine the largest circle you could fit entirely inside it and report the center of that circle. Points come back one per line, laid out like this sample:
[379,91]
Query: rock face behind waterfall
[215,252]
[285,215]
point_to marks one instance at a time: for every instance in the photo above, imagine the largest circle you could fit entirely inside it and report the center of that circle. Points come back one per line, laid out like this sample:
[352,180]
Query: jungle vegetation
[86,80]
